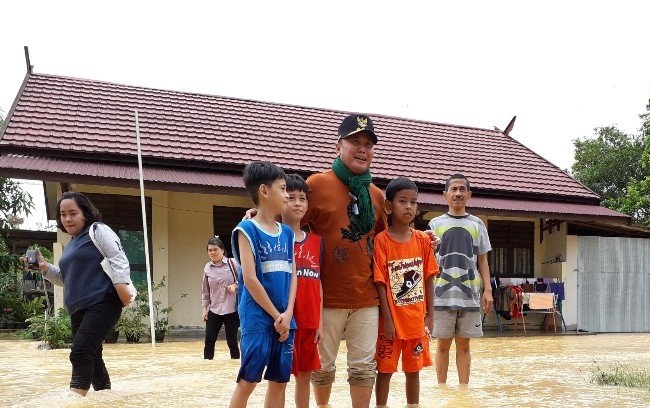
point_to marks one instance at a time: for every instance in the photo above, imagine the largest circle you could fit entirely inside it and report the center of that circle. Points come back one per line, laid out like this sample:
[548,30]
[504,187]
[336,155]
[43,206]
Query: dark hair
[90,213]
[218,242]
[456,176]
[397,185]
[296,183]
[258,173]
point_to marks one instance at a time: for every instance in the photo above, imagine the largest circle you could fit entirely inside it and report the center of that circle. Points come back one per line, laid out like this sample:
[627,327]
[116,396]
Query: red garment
[305,352]
[404,267]
[308,259]
[516,301]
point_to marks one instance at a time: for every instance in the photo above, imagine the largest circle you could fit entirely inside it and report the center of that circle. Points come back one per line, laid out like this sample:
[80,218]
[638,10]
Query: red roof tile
[81,117]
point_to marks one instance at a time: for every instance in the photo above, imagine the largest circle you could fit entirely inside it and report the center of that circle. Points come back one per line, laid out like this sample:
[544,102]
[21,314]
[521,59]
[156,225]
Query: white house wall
[190,226]
[190,221]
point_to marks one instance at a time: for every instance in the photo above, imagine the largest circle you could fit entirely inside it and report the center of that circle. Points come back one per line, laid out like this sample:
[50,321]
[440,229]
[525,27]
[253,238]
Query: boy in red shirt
[308,304]
[404,267]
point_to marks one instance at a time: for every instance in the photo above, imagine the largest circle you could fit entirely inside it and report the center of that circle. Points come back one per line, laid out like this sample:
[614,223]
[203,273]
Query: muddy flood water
[525,371]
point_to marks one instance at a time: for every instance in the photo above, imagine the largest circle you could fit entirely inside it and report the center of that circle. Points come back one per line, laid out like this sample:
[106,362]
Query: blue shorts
[264,350]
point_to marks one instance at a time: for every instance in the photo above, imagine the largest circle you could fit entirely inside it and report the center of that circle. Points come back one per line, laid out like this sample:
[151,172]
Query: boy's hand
[389,329]
[435,241]
[250,213]
[487,300]
[282,324]
[317,336]
[428,324]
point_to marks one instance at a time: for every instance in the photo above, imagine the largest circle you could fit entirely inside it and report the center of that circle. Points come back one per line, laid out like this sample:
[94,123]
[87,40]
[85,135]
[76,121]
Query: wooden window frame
[509,236]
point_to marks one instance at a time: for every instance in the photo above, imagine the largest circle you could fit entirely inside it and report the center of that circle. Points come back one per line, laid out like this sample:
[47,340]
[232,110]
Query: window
[123,214]
[513,244]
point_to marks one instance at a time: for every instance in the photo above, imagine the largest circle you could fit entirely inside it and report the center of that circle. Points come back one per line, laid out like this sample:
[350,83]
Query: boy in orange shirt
[404,267]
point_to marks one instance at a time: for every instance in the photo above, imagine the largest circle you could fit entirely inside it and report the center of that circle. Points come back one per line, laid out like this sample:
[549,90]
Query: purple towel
[558,289]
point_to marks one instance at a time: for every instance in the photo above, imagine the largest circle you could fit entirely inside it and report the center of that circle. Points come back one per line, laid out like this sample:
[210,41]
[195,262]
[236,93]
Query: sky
[563,68]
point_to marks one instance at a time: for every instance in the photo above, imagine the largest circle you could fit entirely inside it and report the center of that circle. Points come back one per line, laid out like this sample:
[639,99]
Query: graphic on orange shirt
[406,281]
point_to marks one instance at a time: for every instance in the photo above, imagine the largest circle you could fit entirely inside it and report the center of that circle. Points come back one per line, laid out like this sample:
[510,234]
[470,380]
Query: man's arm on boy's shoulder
[484,270]
[377,197]
[251,282]
[435,240]
[382,221]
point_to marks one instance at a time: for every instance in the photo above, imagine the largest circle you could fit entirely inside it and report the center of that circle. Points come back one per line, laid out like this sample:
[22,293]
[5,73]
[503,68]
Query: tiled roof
[77,117]
[126,174]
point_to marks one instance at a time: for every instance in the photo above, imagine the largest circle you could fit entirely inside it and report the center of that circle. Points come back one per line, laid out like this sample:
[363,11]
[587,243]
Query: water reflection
[507,371]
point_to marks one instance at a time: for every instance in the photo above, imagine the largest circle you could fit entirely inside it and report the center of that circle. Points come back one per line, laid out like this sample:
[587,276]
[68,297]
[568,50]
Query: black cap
[357,123]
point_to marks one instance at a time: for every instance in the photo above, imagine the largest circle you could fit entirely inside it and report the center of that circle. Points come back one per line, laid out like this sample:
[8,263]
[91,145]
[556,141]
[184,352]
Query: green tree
[617,167]
[13,201]
[637,201]
[607,163]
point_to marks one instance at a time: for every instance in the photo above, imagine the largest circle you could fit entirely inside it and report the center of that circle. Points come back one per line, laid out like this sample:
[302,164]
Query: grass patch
[622,376]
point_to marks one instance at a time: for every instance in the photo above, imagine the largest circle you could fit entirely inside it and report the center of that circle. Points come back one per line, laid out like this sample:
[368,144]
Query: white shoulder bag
[106,265]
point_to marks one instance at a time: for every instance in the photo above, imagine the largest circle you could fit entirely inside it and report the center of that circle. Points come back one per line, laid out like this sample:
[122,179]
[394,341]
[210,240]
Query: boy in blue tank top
[264,249]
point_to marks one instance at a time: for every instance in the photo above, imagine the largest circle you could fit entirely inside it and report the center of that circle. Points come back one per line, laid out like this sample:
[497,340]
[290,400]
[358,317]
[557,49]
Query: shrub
[55,331]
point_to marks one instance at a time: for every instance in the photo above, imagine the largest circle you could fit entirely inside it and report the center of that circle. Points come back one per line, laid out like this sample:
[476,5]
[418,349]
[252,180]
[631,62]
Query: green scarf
[359,185]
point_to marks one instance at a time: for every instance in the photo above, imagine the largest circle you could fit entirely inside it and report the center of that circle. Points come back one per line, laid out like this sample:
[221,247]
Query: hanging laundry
[558,289]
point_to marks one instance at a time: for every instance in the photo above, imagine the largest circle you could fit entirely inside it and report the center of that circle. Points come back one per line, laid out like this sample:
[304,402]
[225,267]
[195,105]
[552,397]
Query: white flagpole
[144,230]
